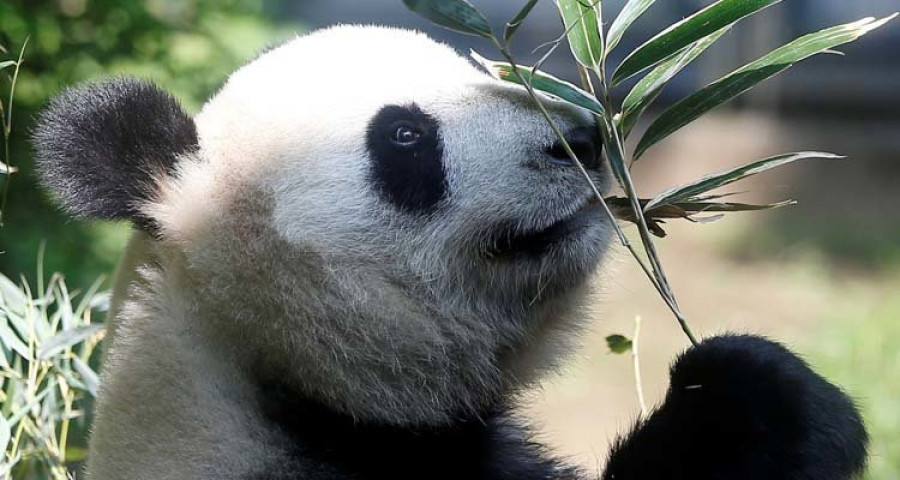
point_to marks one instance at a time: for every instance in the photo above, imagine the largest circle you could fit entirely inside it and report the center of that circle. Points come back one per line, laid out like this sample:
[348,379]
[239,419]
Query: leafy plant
[47,339]
[6,169]
[662,57]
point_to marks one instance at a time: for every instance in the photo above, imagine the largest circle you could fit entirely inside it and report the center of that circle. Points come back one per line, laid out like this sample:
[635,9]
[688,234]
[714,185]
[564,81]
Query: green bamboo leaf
[716,180]
[11,296]
[582,20]
[66,339]
[699,25]
[457,15]
[12,341]
[744,78]
[651,86]
[630,12]
[695,207]
[90,378]
[618,344]
[688,210]
[5,433]
[520,17]
[541,81]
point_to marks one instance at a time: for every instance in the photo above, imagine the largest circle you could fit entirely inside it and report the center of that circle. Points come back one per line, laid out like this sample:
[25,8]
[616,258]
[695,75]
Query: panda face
[402,222]
[385,144]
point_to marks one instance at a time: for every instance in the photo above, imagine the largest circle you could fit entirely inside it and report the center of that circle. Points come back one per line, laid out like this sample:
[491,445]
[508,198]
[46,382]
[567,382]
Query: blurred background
[824,276]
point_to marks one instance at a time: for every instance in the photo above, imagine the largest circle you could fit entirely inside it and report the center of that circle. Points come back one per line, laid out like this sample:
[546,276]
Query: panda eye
[405,135]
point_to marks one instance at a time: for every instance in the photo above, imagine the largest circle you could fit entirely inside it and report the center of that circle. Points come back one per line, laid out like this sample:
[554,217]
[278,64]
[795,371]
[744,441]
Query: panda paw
[742,407]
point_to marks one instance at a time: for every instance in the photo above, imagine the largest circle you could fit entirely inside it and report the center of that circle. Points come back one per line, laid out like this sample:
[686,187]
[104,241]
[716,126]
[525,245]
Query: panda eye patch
[406,154]
[405,135]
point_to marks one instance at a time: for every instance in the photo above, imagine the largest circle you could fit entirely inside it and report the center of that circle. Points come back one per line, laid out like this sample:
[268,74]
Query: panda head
[359,212]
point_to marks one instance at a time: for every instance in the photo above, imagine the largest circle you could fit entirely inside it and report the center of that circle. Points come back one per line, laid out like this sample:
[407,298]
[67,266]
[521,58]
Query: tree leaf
[630,12]
[542,81]
[678,36]
[457,15]
[66,339]
[582,20]
[618,344]
[744,78]
[520,17]
[649,88]
[716,180]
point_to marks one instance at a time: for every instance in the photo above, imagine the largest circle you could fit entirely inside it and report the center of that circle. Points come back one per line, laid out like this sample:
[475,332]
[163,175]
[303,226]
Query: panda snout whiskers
[517,239]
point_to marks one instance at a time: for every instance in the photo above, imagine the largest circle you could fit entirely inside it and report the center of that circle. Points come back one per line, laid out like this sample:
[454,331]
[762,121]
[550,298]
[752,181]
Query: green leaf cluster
[185,46]
[48,341]
[662,58]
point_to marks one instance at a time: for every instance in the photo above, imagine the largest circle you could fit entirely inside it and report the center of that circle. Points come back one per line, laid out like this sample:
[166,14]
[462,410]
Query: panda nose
[586,145]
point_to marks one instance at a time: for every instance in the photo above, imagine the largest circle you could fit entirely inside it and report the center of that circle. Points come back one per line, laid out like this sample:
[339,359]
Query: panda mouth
[509,242]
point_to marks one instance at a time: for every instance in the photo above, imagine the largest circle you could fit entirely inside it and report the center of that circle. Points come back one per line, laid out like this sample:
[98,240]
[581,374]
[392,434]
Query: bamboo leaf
[66,339]
[520,17]
[582,20]
[7,64]
[541,81]
[655,217]
[716,180]
[618,344]
[11,296]
[744,78]
[630,12]
[457,15]
[5,434]
[651,86]
[699,25]
[90,378]
[12,341]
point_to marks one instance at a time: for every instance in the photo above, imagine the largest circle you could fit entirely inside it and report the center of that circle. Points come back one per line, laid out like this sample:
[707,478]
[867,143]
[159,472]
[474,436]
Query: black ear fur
[100,146]
[742,407]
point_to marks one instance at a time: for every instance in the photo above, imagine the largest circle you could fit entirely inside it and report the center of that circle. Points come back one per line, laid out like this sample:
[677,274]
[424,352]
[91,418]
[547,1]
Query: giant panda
[355,258]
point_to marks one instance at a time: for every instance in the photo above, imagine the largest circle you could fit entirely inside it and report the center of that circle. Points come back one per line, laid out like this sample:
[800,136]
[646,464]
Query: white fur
[278,256]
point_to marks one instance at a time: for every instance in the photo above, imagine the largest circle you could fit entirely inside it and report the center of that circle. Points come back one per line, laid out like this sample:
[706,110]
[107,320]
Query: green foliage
[689,191]
[746,77]
[581,19]
[651,86]
[457,15]
[630,12]
[717,16]
[185,46]
[618,344]
[858,348]
[671,50]
[47,340]
[542,81]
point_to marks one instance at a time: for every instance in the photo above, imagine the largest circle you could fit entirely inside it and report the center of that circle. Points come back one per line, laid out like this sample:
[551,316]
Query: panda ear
[101,148]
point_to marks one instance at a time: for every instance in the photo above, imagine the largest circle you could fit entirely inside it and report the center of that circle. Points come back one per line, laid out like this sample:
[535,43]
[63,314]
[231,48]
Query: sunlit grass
[859,348]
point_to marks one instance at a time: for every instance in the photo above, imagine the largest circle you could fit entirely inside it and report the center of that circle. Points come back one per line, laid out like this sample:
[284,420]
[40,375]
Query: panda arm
[513,455]
[742,407]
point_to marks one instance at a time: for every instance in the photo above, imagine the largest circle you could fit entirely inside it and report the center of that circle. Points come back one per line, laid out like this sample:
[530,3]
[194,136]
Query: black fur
[99,146]
[325,444]
[412,179]
[742,408]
